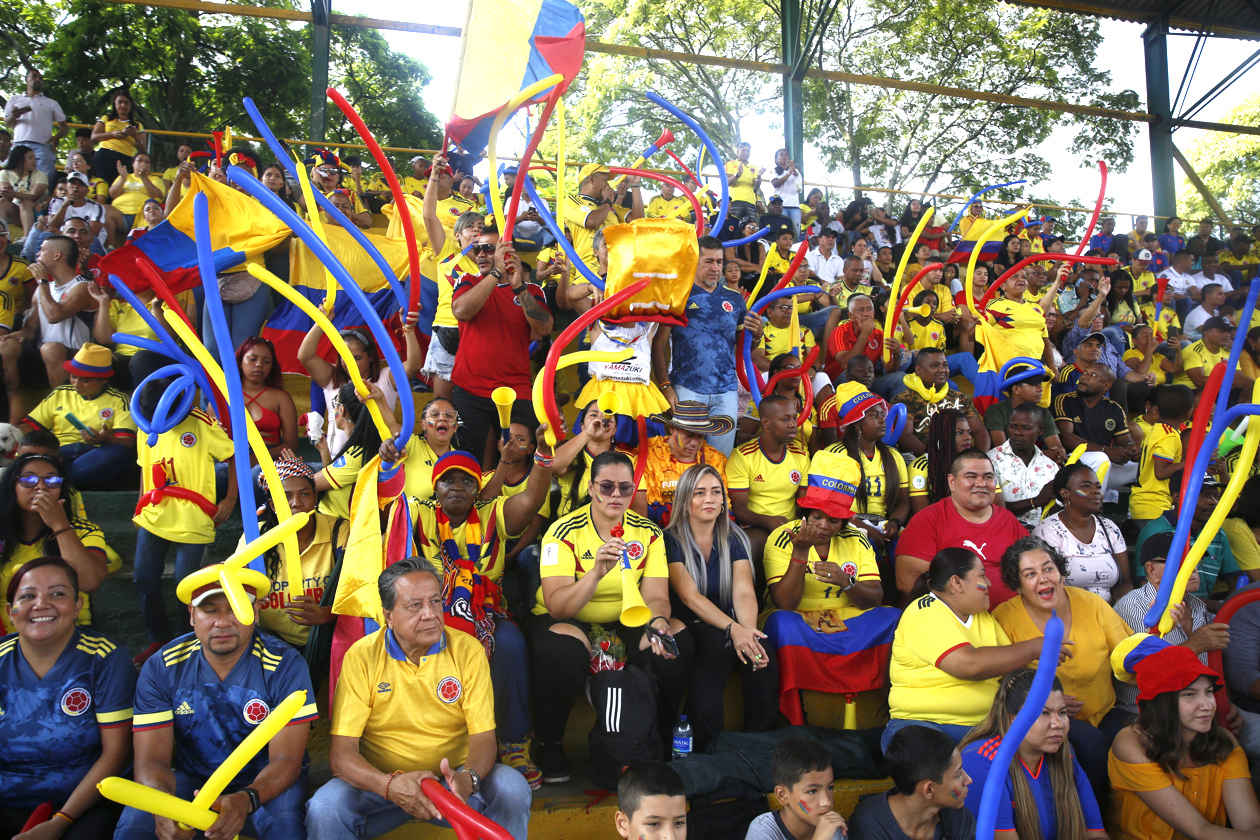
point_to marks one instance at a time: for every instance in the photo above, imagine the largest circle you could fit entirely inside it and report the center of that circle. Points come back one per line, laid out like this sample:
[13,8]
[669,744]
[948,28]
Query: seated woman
[824,584]
[949,433]
[595,436]
[36,521]
[468,539]
[1099,555]
[1047,794]
[336,480]
[1035,570]
[580,600]
[439,422]
[1176,772]
[948,652]
[51,673]
[712,592]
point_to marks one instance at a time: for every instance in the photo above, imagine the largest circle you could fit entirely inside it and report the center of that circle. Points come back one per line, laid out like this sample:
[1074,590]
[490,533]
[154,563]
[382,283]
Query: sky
[1120,54]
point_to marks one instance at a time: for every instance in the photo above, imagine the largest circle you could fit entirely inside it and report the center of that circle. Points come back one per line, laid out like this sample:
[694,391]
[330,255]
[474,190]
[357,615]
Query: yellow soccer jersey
[850,549]
[919,476]
[928,632]
[341,474]
[1167,318]
[931,334]
[418,469]
[13,291]
[111,407]
[1198,357]
[93,540]
[741,186]
[660,207]
[771,485]
[450,209]
[446,266]
[410,716]
[1151,496]
[123,318]
[1012,329]
[568,551]
[576,209]
[183,457]
[317,560]
[491,547]
[775,341]
[841,293]
[873,479]
[507,491]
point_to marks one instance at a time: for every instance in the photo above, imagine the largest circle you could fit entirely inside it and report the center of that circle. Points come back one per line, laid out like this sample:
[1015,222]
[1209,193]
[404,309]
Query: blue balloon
[286,160]
[169,347]
[1222,420]
[1036,370]
[750,370]
[753,238]
[289,216]
[973,199]
[561,239]
[725,201]
[1038,693]
[145,424]
[896,424]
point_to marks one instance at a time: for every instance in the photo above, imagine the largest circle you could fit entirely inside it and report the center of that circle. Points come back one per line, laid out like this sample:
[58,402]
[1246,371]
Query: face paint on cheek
[1081,493]
[804,808]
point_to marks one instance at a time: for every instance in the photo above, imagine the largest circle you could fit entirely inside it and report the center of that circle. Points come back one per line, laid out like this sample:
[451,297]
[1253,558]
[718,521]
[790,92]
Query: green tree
[1229,165]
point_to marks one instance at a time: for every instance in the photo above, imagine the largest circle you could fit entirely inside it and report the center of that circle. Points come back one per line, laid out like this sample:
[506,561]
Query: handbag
[238,287]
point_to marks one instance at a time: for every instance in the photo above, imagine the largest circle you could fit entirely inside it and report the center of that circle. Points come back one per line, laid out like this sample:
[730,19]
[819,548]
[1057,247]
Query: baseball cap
[828,232]
[591,169]
[1143,255]
[775,198]
[1217,323]
[78,176]
[1156,547]
[1096,335]
[1045,220]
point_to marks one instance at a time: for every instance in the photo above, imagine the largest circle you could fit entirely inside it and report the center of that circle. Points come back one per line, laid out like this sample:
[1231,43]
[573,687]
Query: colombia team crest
[255,711]
[76,701]
[449,689]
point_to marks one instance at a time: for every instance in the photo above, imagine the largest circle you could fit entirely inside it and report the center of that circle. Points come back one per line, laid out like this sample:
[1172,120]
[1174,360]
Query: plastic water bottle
[682,738]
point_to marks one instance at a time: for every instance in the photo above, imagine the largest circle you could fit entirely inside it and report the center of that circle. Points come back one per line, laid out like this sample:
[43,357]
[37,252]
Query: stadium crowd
[788,541]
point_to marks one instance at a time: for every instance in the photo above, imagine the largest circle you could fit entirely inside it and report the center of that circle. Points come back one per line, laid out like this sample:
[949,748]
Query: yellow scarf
[930,395]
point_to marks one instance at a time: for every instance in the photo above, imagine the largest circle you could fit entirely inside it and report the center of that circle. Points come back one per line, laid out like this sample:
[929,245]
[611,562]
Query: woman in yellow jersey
[948,652]
[35,521]
[119,137]
[584,563]
[573,462]
[917,330]
[949,433]
[1035,570]
[1176,772]
[98,189]
[827,624]
[445,253]
[438,422]
[1149,354]
[336,479]
[511,478]
[130,189]
[712,592]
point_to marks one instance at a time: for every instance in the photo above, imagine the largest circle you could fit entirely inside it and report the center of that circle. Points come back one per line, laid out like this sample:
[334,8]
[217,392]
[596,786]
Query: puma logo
[978,549]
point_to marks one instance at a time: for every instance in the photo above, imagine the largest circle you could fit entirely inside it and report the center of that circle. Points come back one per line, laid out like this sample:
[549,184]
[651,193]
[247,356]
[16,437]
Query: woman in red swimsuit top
[267,402]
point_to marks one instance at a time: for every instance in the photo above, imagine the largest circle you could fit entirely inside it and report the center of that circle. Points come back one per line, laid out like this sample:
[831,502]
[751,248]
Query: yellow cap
[589,170]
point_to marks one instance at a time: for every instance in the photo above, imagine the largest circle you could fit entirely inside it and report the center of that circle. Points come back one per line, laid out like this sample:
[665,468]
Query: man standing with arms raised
[703,352]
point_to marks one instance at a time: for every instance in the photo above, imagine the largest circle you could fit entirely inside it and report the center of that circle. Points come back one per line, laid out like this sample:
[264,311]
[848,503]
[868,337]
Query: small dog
[10,437]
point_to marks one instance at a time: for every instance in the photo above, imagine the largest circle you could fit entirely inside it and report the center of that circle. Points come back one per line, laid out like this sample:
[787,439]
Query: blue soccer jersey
[977,758]
[50,728]
[703,355]
[177,687]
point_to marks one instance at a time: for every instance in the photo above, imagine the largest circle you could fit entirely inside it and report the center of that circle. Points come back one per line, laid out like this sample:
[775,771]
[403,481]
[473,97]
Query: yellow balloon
[560,160]
[275,489]
[573,359]
[765,268]
[334,337]
[901,271]
[250,747]
[212,574]
[496,198]
[1247,457]
[317,224]
[135,795]
[1072,459]
[999,225]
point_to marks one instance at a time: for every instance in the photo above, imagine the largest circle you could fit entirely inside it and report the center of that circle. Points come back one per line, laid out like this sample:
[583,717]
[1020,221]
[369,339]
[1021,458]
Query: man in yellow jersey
[1162,455]
[413,702]
[974,214]
[92,421]
[664,205]
[765,475]
[595,207]
[1199,359]
[742,182]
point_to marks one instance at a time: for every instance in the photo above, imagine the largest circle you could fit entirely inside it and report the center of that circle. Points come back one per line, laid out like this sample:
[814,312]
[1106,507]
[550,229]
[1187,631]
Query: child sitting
[651,803]
[804,784]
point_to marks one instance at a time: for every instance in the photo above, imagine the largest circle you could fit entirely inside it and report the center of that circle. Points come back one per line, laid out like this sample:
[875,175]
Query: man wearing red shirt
[499,313]
[967,518]
[861,335]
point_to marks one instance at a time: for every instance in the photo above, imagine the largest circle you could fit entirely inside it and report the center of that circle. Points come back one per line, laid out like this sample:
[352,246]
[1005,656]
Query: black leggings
[706,697]
[560,666]
[105,165]
[96,823]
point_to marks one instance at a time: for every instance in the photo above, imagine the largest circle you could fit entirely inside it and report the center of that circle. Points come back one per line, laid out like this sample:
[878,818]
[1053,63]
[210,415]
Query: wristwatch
[254,802]
[476,779]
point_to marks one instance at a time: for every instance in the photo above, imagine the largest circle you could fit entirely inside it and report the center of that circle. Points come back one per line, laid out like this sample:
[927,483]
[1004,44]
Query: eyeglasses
[449,416]
[613,488]
[483,249]
[52,482]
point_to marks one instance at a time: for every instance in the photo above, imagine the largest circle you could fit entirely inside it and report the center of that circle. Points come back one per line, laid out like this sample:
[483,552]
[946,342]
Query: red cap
[1171,669]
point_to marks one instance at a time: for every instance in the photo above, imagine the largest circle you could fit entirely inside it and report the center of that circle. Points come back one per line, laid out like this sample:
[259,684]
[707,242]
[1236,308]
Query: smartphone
[77,423]
[667,641]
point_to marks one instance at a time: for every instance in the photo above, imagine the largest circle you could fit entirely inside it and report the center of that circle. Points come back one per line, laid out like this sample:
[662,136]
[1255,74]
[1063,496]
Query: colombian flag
[962,251]
[532,40]
[241,230]
[847,662]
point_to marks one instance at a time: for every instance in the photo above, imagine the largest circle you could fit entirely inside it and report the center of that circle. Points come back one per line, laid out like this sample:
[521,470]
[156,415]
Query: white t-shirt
[35,126]
[1178,283]
[1193,326]
[90,210]
[1201,281]
[827,268]
[790,192]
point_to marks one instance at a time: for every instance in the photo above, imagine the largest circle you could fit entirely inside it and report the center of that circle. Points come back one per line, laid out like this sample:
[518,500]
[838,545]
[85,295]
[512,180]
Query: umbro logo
[184,709]
[758,478]
[588,555]
[381,688]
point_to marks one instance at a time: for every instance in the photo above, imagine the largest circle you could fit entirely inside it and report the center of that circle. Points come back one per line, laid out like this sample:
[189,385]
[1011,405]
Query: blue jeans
[955,731]
[45,158]
[816,322]
[725,404]
[509,675]
[339,811]
[964,365]
[150,561]
[794,213]
[98,467]
[244,320]
[278,819]
[889,385]
[1115,336]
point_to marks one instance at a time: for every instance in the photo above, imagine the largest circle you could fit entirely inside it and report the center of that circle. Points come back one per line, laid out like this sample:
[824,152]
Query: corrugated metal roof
[1226,18]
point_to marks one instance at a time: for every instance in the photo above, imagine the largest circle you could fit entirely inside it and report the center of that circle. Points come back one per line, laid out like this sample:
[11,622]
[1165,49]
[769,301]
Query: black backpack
[625,728]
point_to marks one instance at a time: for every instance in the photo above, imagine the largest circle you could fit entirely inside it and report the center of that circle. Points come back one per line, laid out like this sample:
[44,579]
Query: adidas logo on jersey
[184,709]
[758,478]
[587,555]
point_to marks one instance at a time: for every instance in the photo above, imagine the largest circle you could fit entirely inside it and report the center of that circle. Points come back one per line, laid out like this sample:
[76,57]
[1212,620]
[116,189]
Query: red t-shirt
[842,338]
[494,345]
[940,526]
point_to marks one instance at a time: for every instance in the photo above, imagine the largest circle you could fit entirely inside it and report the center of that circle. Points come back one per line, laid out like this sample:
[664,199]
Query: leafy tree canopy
[1229,165]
